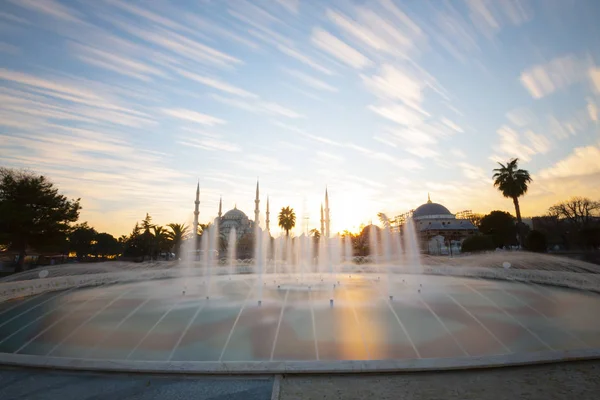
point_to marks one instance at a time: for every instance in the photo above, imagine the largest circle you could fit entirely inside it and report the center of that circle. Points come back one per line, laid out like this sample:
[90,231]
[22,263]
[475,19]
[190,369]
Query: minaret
[220,207]
[326,214]
[322,222]
[267,214]
[196,212]
[256,202]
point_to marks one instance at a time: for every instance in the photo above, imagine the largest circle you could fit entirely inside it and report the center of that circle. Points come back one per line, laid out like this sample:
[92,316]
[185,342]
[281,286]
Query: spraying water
[231,251]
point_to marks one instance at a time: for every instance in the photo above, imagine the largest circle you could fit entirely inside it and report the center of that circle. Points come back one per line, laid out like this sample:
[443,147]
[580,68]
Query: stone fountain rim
[573,280]
[299,367]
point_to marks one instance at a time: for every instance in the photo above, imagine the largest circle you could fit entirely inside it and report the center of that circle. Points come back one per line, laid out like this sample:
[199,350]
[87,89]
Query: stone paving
[562,381]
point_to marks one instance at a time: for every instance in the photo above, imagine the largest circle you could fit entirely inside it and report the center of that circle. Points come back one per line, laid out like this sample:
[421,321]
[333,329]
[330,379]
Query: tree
[579,211]
[177,235]
[580,218]
[385,221]
[536,241]
[512,183]
[160,240]
[315,233]
[476,219]
[478,243]
[82,240]
[106,245]
[32,212]
[146,238]
[500,225]
[287,219]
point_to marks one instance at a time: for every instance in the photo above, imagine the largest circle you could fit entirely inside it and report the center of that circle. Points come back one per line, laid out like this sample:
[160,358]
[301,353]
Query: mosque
[238,220]
[439,230]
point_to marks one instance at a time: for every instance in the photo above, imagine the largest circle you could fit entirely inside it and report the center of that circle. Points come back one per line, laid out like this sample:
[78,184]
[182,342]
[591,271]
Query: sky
[128,104]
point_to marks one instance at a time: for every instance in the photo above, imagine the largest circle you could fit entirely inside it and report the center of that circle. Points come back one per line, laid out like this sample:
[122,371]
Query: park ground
[572,380]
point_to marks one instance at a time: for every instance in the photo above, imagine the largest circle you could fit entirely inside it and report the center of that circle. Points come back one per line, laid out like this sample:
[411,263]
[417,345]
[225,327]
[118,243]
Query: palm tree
[512,183]
[287,219]
[177,235]
[160,240]
[315,233]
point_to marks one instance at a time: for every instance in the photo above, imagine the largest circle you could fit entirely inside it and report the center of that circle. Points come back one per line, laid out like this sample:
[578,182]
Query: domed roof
[234,214]
[430,209]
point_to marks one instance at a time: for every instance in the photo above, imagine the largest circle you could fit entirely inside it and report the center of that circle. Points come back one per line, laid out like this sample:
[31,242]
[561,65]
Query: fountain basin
[152,323]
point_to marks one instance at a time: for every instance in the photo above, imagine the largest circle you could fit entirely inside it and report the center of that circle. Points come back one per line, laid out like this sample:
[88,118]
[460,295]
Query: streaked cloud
[337,48]
[311,81]
[258,107]
[49,7]
[215,84]
[193,116]
[544,79]
[582,161]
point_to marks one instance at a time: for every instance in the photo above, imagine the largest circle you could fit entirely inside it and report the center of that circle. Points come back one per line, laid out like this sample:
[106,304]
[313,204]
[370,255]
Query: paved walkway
[24,384]
[578,381]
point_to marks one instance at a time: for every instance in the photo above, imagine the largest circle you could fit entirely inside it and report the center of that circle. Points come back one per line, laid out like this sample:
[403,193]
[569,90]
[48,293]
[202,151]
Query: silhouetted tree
[160,240]
[476,219]
[536,241]
[107,245]
[500,225]
[513,183]
[177,235]
[579,211]
[32,212]
[385,221]
[82,240]
[477,243]
[287,219]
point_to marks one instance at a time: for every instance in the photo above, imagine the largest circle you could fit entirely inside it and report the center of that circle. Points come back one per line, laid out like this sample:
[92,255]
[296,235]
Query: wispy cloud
[311,81]
[216,84]
[394,84]
[210,144]
[8,48]
[116,63]
[544,79]
[582,161]
[490,16]
[340,50]
[259,107]
[290,5]
[193,116]
[303,58]
[512,146]
[401,114]
[181,45]
[51,8]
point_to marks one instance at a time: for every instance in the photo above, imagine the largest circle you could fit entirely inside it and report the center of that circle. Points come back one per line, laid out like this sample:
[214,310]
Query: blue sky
[128,104]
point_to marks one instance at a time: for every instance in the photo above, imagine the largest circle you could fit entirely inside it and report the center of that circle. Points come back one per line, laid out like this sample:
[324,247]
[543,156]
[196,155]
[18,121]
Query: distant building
[439,230]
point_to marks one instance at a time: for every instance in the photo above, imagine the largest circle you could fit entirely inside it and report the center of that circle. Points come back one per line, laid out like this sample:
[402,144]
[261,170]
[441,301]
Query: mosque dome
[431,210]
[234,214]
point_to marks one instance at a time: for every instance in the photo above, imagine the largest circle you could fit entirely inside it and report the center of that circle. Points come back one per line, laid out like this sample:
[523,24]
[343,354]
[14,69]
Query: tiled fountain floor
[429,317]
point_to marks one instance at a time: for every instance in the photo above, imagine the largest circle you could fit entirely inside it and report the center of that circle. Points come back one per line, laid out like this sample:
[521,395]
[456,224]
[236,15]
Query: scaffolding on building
[465,214]
[398,221]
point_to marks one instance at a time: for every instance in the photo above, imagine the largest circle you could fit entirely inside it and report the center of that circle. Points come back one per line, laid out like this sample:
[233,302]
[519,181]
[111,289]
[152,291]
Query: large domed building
[439,229]
[234,219]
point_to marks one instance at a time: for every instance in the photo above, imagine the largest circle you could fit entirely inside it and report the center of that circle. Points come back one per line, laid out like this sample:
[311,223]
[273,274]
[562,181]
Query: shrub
[478,243]
[536,241]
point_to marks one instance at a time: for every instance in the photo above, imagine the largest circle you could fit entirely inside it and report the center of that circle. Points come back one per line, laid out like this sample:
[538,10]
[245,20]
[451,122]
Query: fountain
[231,251]
[320,303]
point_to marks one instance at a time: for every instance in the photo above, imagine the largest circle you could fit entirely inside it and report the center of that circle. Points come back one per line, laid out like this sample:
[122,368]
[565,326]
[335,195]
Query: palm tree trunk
[519,222]
[517,209]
